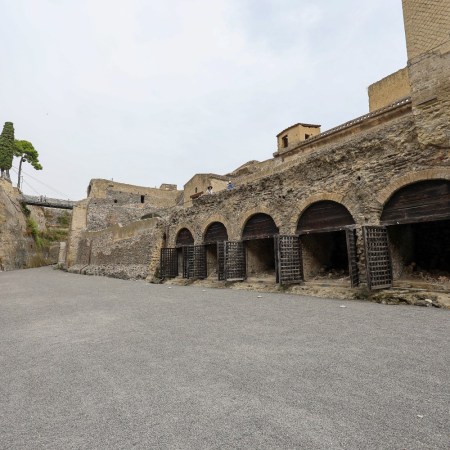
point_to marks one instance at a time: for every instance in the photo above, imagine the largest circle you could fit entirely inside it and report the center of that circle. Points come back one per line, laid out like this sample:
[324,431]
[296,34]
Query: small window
[196,190]
[307,136]
[285,141]
[115,200]
[142,198]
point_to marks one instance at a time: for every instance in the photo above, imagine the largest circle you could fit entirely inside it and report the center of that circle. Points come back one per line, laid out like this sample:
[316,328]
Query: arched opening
[184,237]
[417,218]
[325,230]
[258,234]
[215,233]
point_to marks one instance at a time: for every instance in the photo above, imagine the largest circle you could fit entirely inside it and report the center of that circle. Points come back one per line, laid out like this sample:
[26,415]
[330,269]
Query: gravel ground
[98,363]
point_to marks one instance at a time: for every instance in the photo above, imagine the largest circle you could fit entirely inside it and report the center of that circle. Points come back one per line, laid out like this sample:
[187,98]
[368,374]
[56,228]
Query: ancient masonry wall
[129,252]
[361,174]
[111,203]
[427,25]
[359,164]
[104,213]
[427,28]
[389,89]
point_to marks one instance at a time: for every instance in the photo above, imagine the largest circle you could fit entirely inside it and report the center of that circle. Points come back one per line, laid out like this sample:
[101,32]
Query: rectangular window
[285,141]
[142,198]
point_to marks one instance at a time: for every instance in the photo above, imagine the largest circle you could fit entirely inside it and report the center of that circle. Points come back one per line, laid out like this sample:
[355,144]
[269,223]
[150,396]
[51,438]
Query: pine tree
[27,153]
[7,148]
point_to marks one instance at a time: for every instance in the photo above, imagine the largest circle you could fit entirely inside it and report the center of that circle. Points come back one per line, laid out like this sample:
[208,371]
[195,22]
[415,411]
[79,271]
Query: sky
[148,91]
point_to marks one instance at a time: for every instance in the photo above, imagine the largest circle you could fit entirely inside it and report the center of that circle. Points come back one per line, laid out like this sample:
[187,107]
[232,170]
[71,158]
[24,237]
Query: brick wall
[427,25]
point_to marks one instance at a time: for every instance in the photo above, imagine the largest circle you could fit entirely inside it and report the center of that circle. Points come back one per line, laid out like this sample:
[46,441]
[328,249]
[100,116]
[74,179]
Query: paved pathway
[90,362]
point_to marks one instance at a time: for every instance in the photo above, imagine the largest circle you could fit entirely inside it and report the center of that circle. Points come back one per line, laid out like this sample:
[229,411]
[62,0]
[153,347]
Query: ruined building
[367,202]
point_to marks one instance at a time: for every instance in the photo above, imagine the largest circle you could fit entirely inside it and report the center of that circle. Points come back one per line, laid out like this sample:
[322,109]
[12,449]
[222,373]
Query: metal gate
[221,260]
[352,257]
[194,261]
[234,256]
[199,270]
[188,261]
[168,263]
[288,258]
[378,258]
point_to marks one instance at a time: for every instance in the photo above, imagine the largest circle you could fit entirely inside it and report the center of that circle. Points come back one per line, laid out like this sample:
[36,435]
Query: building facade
[366,203]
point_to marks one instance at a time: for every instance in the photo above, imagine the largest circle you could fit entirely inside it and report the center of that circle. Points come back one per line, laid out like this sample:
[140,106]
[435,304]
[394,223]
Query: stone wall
[104,213]
[77,227]
[199,183]
[356,173]
[431,96]
[291,136]
[427,25]
[13,244]
[129,252]
[112,203]
[358,164]
[18,248]
[391,88]
[157,197]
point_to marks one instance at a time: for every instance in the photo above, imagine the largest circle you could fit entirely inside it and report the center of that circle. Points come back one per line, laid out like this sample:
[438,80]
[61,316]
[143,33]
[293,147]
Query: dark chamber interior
[325,254]
[421,247]
[260,257]
[211,259]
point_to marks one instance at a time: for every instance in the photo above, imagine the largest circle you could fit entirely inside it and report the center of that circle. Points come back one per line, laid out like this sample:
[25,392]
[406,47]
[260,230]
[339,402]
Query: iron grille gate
[194,261]
[288,257]
[352,257]
[221,260]
[199,261]
[378,258]
[234,256]
[169,263]
[188,261]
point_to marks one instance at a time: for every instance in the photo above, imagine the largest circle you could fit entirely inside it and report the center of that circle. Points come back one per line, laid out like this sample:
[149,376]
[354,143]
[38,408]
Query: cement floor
[96,363]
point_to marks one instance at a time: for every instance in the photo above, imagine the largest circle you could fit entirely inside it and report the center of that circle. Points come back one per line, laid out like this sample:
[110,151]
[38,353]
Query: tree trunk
[19,173]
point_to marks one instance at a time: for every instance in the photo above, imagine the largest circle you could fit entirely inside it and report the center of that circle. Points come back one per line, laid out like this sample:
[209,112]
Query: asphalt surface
[98,363]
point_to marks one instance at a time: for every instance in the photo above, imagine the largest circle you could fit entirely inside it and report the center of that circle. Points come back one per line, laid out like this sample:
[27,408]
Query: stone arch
[215,232]
[259,225]
[181,229]
[215,218]
[337,214]
[252,212]
[415,209]
[258,233]
[298,210]
[429,174]
[424,200]
[322,223]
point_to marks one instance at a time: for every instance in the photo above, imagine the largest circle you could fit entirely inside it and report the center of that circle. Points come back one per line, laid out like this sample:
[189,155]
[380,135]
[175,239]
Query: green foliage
[54,234]
[32,228]
[45,238]
[7,147]
[64,219]
[26,151]
[25,209]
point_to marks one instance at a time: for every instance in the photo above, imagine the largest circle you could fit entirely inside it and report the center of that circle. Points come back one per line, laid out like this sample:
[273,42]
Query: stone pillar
[62,254]
[427,29]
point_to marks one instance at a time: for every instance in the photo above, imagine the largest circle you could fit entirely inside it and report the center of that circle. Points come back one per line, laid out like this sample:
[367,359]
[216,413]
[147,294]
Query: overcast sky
[149,92]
